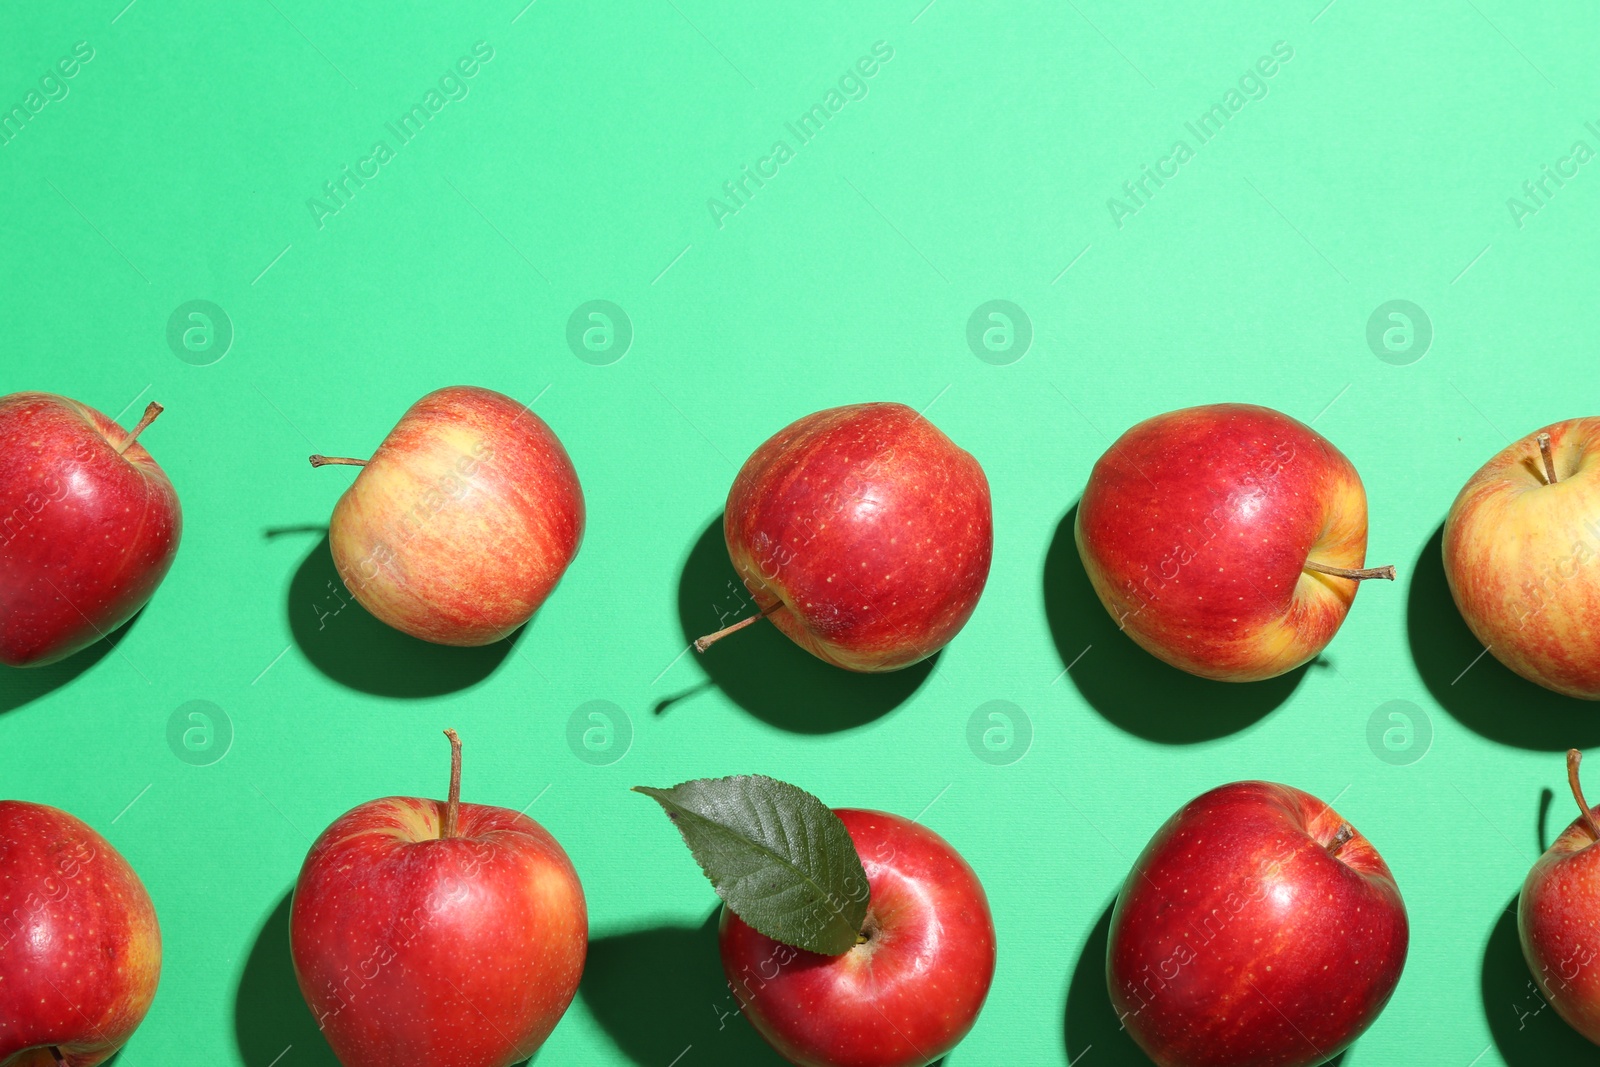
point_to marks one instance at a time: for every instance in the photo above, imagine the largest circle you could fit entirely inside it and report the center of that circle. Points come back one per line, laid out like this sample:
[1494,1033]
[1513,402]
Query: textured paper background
[975,164]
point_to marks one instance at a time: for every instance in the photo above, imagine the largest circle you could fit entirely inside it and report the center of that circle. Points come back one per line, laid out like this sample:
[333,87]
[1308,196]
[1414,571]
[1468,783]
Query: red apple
[435,932]
[1556,917]
[1256,929]
[863,533]
[80,951]
[462,522]
[1522,554]
[913,985]
[89,525]
[1226,540]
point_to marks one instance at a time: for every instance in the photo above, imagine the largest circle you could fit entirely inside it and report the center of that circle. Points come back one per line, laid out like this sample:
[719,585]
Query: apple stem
[1341,838]
[57,1054]
[345,461]
[150,412]
[703,643]
[1549,463]
[1351,573]
[1574,757]
[452,804]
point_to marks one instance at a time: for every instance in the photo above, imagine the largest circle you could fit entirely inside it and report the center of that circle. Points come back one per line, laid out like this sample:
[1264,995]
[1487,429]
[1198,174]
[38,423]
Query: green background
[978,167]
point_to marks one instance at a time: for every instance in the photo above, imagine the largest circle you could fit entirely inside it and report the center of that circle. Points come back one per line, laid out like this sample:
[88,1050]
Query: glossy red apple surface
[913,986]
[1522,554]
[1256,929]
[430,932]
[462,522]
[80,950]
[1556,918]
[863,533]
[1226,540]
[89,525]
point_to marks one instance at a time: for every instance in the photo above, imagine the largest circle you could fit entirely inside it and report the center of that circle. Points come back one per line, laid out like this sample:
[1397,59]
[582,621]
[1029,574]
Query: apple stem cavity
[703,643]
[338,461]
[1352,573]
[1341,837]
[1574,757]
[1549,463]
[452,804]
[150,412]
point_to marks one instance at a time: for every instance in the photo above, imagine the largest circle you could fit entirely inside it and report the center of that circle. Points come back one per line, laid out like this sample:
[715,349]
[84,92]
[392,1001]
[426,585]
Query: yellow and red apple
[462,522]
[1227,540]
[1521,552]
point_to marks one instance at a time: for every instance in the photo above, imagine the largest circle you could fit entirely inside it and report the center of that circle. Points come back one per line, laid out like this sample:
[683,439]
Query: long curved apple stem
[703,643]
[1574,757]
[1341,838]
[150,412]
[1549,464]
[452,804]
[324,461]
[1351,573]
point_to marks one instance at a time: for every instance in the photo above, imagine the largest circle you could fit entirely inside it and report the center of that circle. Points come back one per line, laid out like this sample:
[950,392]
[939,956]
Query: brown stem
[452,804]
[59,1058]
[323,461]
[150,412]
[1347,572]
[1341,838]
[1574,757]
[1549,464]
[703,643]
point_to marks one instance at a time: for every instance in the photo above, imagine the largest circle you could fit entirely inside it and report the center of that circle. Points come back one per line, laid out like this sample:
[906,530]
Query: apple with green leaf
[849,938]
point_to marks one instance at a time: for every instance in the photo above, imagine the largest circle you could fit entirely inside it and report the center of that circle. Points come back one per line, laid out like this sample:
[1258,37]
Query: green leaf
[776,855]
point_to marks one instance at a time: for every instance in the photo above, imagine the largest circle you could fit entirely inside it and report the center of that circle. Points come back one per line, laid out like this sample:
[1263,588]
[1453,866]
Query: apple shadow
[269,1014]
[763,671]
[1478,690]
[1091,1021]
[1128,686]
[1525,1028]
[24,685]
[659,990]
[349,645]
